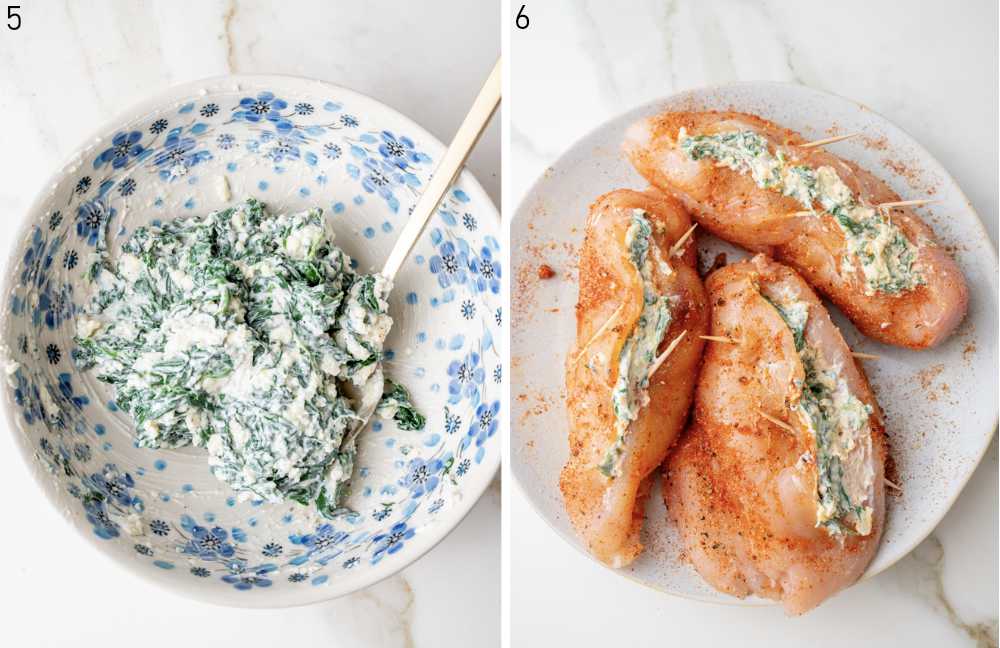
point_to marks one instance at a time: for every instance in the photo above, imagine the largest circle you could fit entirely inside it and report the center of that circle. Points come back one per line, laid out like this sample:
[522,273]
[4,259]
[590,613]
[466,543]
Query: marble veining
[929,558]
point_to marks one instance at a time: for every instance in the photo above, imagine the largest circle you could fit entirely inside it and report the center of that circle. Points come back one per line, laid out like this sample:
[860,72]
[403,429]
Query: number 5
[12,16]
[522,19]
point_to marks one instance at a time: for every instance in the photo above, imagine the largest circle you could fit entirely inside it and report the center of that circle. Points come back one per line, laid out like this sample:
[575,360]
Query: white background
[931,67]
[74,65]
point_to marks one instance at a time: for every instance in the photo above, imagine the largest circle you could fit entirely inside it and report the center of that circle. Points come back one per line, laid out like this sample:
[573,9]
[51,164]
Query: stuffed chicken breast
[750,181]
[777,488]
[631,372]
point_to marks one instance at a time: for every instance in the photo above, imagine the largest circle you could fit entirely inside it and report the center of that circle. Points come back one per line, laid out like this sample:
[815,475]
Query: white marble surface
[74,65]
[930,67]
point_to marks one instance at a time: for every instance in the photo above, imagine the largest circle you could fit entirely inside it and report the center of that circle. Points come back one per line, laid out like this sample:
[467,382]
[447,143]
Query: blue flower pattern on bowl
[422,476]
[124,147]
[467,377]
[77,438]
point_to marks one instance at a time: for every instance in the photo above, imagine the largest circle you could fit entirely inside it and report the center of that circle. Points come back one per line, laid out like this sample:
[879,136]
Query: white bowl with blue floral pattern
[294,144]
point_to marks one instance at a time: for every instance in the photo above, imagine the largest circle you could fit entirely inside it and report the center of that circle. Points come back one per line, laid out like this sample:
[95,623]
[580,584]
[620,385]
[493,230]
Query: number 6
[521,16]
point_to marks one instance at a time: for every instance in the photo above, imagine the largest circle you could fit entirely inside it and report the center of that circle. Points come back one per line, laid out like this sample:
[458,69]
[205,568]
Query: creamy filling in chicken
[629,394]
[838,421]
[881,251]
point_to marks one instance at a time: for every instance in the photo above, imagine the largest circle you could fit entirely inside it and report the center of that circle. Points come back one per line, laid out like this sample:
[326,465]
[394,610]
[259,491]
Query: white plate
[940,405]
[293,143]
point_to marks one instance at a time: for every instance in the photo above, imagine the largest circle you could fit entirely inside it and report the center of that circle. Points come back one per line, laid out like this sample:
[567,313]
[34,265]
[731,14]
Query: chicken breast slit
[624,409]
[777,487]
[751,182]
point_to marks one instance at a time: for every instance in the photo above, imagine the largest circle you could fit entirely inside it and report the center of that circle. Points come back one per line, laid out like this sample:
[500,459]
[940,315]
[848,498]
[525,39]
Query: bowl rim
[386,568]
[522,209]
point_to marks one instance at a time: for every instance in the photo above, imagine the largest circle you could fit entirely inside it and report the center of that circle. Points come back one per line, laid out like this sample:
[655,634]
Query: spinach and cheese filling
[881,250]
[240,332]
[395,404]
[628,395]
[838,421]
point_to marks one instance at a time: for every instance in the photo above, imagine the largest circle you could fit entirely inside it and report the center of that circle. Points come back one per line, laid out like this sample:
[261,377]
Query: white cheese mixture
[638,353]
[884,255]
[838,421]
[235,332]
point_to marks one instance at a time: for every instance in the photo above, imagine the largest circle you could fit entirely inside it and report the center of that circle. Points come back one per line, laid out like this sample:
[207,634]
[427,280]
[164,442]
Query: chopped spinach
[628,395]
[236,331]
[396,404]
[793,319]
[886,257]
[838,421]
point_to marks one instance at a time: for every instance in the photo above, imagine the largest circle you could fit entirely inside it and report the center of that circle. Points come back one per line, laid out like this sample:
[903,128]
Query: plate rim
[522,210]
[136,110]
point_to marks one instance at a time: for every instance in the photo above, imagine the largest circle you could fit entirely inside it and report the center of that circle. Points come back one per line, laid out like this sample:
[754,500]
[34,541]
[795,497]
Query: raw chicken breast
[748,181]
[777,488]
[635,300]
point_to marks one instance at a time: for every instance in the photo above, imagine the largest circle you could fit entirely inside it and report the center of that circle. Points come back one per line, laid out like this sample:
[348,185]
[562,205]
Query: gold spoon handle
[465,139]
